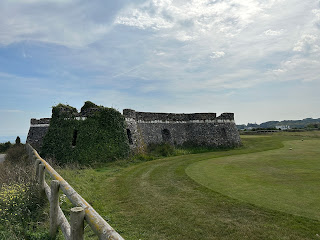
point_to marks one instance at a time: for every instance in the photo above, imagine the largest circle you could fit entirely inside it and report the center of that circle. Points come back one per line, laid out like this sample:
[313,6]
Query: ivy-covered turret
[96,134]
[64,111]
[89,109]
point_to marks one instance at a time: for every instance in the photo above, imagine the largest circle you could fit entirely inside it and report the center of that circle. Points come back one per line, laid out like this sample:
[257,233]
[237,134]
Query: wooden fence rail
[80,213]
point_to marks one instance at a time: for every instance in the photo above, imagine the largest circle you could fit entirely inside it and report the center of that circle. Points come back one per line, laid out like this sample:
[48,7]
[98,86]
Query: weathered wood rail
[80,213]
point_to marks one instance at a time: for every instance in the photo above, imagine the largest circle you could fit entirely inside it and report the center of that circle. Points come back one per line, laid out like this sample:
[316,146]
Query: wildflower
[62,199]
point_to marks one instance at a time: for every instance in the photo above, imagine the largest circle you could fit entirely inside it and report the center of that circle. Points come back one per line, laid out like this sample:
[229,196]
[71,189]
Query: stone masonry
[205,129]
[38,129]
[144,128]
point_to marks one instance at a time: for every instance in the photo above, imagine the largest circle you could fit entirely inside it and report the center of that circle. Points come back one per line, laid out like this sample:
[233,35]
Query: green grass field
[262,190]
[283,179]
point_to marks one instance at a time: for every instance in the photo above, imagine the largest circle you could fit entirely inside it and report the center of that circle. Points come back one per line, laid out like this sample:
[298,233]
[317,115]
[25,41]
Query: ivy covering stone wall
[96,134]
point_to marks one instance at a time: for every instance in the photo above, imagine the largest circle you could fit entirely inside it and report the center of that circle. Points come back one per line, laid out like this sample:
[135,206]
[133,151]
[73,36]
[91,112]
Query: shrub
[161,150]
[88,105]
[21,210]
[5,146]
[17,155]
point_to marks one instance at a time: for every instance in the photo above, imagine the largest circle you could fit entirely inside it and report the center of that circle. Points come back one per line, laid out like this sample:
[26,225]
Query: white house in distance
[283,127]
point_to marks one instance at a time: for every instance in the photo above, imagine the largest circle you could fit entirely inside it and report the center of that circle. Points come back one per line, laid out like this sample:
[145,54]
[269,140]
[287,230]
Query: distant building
[283,127]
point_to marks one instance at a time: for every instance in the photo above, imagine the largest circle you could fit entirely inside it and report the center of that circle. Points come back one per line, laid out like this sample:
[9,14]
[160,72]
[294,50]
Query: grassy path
[158,200]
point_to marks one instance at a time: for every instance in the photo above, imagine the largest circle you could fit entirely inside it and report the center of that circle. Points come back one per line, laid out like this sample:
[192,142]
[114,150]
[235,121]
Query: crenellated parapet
[151,117]
[40,122]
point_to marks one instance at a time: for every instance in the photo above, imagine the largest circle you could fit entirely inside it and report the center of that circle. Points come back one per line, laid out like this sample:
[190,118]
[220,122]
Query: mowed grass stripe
[283,179]
[158,200]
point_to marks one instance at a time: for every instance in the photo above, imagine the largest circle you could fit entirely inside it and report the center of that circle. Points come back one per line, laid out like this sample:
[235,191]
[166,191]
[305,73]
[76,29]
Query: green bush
[88,105]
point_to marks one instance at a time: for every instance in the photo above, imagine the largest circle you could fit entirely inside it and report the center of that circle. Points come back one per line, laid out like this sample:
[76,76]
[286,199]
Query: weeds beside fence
[22,214]
[80,213]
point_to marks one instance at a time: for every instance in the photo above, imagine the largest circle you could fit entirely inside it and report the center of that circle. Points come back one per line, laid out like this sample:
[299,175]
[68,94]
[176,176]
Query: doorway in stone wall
[74,139]
[166,135]
[129,135]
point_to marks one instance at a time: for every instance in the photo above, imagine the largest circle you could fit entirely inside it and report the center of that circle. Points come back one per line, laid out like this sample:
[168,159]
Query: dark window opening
[129,136]
[74,140]
[166,136]
[224,132]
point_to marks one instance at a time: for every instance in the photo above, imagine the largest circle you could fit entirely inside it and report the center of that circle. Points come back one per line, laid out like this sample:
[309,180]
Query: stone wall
[195,129]
[144,128]
[38,129]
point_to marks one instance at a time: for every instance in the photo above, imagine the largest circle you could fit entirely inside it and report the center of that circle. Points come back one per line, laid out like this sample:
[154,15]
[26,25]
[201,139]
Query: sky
[258,59]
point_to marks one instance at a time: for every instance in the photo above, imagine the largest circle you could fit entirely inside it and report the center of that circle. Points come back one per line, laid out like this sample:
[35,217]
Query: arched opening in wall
[129,136]
[166,135]
[74,139]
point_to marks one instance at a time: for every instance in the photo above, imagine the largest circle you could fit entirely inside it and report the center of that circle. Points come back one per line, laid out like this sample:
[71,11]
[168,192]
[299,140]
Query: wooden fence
[80,213]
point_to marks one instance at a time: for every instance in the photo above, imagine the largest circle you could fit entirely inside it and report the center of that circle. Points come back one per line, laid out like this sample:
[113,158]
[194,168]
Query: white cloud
[60,22]
[270,32]
[204,27]
[308,44]
[143,20]
[11,111]
[159,53]
[316,12]
[194,18]
[297,69]
[217,54]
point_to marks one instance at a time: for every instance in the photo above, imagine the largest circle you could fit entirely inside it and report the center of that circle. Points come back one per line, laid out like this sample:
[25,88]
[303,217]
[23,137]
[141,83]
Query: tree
[18,141]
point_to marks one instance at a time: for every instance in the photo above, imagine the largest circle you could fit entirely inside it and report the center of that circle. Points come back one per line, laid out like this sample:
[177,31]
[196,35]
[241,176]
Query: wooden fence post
[36,164]
[54,207]
[41,177]
[31,152]
[28,150]
[77,223]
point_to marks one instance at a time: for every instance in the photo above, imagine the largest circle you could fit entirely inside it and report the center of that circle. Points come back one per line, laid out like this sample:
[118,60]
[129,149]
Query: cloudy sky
[257,58]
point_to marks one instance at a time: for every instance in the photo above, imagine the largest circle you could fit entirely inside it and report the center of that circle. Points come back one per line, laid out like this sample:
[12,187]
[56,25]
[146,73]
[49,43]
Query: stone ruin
[144,128]
[199,129]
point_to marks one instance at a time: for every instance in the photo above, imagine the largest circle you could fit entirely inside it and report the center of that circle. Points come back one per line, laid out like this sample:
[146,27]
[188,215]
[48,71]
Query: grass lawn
[159,200]
[283,179]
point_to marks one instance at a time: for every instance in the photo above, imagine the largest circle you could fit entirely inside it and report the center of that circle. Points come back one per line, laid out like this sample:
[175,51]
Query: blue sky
[258,59]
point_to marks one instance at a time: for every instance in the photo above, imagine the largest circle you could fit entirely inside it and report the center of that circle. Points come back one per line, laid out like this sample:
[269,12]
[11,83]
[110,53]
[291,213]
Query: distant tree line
[294,124]
[257,129]
[313,125]
[5,146]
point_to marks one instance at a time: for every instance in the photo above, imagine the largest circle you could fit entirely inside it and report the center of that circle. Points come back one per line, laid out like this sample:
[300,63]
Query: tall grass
[155,151]
[21,209]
